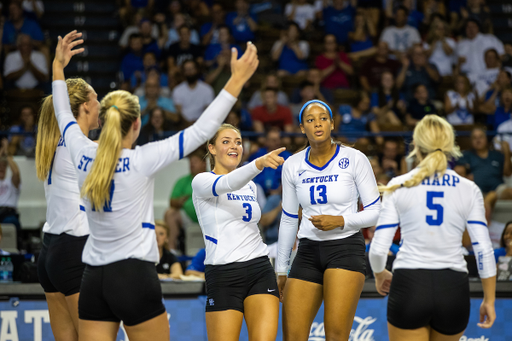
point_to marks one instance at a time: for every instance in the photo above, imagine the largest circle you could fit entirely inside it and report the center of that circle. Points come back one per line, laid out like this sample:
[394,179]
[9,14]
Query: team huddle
[97,265]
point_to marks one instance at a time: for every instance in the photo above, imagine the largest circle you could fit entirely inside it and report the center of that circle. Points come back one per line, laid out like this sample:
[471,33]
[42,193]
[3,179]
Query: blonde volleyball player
[60,265]
[240,280]
[326,180]
[120,282]
[429,289]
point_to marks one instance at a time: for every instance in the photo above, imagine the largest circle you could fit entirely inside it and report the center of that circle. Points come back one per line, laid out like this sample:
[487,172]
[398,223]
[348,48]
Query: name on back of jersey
[122,166]
[446,180]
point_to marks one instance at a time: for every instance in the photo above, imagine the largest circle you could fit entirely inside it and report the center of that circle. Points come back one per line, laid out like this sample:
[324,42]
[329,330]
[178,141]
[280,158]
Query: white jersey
[432,218]
[462,115]
[228,213]
[124,228]
[329,190]
[65,210]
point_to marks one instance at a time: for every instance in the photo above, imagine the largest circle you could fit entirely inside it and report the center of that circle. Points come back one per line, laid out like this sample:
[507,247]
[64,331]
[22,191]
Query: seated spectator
[150,44]
[358,119]
[307,92]
[152,99]
[401,37]
[505,249]
[492,97]
[420,106]
[150,63]
[181,211]
[198,9]
[270,81]
[460,102]
[419,71]
[33,9]
[25,68]
[138,17]
[154,72]
[471,50]
[477,10]
[156,127]
[271,114]
[314,76]
[432,10]
[483,80]
[300,12]
[334,65]
[440,48]
[290,52]
[241,23]
[372,70]
[210,30]
[193,95]
[391,160]
[19,24]
[388,103]
[220,72]
[182,51]
[240,118]
[196,267]
[173,36]
[225,44]
[503,111]
[362,36]
[132,61]
[24,144]
[338,19]
[169,266]
[9,188]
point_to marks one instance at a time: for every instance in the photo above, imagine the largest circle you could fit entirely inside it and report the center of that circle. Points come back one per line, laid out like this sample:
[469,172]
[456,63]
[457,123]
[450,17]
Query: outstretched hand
[272,159]
[64,50]
[244,67]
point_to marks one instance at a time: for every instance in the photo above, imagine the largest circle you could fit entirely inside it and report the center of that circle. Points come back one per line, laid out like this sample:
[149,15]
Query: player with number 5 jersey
[120,282]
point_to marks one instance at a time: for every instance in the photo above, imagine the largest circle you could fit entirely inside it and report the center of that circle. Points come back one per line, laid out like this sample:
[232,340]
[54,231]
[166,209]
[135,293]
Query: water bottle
[3,270]
[9,267]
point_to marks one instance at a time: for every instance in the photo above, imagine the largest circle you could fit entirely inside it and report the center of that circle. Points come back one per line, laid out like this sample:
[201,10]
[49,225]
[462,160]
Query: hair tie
[314,101]
[438,150]
[115,106]
[401,185]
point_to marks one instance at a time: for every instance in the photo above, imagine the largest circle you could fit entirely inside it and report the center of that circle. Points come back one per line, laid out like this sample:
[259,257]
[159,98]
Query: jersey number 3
[322,193]
[248,210]
[435,207]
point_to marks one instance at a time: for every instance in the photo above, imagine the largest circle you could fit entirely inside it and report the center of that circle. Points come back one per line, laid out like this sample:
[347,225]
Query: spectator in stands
[19,24]
[493,96]
[270,81]
[334,65]
[33,9]
[391,160]
[242,24]
[358,119]
[150,44]
[132,61]
[9,188]
[507,57]
[362,37]
[505,132]
[196,266]
[150,63]
[471,50]
[417,71]
[483,80]
[132,6]
[505,243]
[156,127]
[173,36]
[138,18]
[193,95]
[338,19]
[433,9]
[271,218]
[210,30]
[154,72]
[290,52]
[440,48]
[503,111]
[271,114]
[182,51]
[314,76]
[220,71]
[169,266]
[401,37]
[152,99]
[460,103]
[198,10]
[388,104]
[224,44]
[307,92]
[24,144]
[478,10]
[420,106]
[25,68]
[300,12]
[181,211]
[372,70]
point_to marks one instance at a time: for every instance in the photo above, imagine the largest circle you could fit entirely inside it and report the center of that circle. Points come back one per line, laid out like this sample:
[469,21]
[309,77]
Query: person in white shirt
[401,37]
[120,281]
[459,103]
[66,228]
[440,48]
[327,180]
[9,188]
[429,289]
[484,79]
[470,51]
[240,280]
[505,133]
[301,12]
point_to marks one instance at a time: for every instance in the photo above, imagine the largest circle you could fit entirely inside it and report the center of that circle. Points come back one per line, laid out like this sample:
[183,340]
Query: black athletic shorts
[228,285]
[60,266]
[435,298]
[128,291]
[314,257]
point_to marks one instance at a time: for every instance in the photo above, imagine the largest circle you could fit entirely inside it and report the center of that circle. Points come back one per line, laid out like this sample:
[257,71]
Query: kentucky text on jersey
[122,166]
[232,196]
[320,179]
[445,181]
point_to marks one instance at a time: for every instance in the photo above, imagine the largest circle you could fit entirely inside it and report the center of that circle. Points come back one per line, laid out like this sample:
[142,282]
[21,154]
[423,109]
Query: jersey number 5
[435,207]
[322,192]
[248,210]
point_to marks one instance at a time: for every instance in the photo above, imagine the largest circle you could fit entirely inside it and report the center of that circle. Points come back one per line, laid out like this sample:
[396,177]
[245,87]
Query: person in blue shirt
[18,23]
[290,52]
[150,65]
[196,267]
[132,61]
[492,97]
[362,36]
[241,23]
[503,111]
[224,43]
[338,20]
[209,31]
[505,248]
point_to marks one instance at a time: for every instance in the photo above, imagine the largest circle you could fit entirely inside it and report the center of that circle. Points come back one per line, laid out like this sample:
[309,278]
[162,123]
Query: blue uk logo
[344,163]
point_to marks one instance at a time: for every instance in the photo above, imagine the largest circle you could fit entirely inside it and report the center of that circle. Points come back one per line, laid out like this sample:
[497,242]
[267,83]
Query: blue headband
[314,101]
[115,106]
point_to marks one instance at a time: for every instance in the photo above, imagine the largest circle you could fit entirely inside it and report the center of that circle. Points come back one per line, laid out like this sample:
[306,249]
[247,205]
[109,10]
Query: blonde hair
[119,109]
[214,138]
[162,223]
[435,138]
[48,133]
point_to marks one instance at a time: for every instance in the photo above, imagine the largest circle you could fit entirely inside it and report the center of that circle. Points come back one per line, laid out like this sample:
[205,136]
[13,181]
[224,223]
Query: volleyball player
[60,265]
[429,289]
[325,179]
[120,282]
[240,280]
